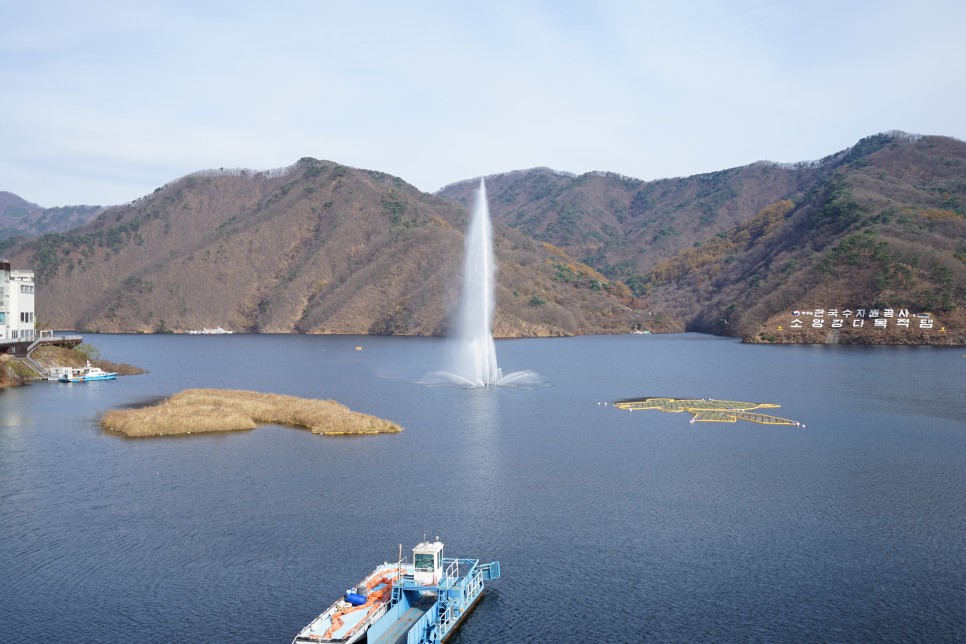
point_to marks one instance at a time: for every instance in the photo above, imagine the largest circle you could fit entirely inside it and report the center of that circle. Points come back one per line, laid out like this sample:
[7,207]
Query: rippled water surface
[609,525]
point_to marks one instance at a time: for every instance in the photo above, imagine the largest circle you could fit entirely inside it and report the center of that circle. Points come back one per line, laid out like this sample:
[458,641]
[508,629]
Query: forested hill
[873,252]
[19,217]
[768,252]
[879,225]
[622,226]
[317,247]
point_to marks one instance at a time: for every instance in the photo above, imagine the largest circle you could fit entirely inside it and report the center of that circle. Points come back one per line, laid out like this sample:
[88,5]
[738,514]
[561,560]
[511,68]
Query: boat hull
[87,374]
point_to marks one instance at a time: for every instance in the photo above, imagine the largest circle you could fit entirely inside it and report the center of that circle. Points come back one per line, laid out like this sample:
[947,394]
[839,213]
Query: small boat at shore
[424,601]
[206,331]
[86,374]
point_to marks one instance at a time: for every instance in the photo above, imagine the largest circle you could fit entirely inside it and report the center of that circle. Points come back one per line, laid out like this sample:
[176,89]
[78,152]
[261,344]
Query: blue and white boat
[418,603]
[86,374]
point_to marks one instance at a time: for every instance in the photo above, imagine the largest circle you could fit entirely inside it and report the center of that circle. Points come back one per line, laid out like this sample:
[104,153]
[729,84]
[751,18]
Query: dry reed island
[223,410]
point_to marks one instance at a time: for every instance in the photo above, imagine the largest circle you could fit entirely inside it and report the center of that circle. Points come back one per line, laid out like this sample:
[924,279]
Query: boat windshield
[424,562]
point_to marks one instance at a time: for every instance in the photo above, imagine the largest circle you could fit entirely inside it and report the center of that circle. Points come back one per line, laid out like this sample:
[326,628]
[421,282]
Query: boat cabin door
[428,563]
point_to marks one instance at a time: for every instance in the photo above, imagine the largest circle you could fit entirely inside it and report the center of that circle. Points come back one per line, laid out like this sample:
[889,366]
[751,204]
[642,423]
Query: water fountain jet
[474,352]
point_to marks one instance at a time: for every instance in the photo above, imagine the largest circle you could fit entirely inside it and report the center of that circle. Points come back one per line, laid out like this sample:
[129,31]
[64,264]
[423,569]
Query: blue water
[609,525]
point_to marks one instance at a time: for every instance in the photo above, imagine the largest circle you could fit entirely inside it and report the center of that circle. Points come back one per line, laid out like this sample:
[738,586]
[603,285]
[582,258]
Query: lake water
[609,525]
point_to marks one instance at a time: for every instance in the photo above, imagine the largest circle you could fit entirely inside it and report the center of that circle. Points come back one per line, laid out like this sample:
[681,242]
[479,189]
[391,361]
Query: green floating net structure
[710,411]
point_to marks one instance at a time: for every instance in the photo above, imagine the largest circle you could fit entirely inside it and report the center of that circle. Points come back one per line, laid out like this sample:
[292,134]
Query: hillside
[20,218]
[322,248]
[623,227]
[883,233]
[313,248]
[876,226]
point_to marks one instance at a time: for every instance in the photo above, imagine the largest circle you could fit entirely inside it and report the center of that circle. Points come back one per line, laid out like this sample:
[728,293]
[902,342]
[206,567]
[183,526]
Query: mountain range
[314,248]
[319,247]
[20,218]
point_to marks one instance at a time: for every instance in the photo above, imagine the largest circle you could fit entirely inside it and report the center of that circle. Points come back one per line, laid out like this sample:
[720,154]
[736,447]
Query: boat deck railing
[451,610]
[427,614]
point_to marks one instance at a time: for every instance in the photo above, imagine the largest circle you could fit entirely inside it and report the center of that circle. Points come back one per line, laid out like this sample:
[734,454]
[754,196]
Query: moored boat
[421,602]
[206,331]
[86,374]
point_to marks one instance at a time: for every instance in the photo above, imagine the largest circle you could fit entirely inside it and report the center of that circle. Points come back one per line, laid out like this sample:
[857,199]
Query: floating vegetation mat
[710,410]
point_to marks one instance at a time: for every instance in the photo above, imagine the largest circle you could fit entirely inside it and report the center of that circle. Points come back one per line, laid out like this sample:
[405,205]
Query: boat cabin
[428,563]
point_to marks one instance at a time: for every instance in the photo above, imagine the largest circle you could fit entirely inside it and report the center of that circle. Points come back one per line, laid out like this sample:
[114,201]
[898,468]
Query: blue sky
[103,101]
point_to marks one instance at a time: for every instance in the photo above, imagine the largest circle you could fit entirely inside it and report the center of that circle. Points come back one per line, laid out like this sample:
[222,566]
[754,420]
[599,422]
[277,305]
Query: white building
[17,320]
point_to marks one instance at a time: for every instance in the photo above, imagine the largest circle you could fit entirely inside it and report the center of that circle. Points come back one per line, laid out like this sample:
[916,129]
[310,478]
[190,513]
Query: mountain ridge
[321,249]
[21,218]
[640,232]
[318,247]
